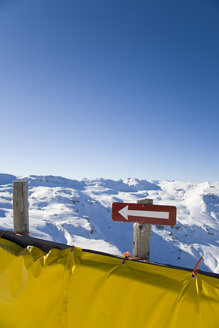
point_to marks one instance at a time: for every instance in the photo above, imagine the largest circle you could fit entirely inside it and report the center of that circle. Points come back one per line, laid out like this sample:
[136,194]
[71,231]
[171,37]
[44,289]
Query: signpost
[144,213]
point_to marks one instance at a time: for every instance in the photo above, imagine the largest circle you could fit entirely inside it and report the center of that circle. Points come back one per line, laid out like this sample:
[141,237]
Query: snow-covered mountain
[79,213]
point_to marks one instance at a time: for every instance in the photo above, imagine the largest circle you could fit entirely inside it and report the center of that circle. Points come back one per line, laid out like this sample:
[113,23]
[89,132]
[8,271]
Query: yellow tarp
[80,289]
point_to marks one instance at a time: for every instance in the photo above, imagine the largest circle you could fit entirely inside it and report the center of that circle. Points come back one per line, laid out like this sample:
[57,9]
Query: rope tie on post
[15,232]
[195,271]
[132,258]
[125,257]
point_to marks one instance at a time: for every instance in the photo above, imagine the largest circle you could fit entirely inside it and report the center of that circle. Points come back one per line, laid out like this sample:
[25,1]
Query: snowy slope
[79,213]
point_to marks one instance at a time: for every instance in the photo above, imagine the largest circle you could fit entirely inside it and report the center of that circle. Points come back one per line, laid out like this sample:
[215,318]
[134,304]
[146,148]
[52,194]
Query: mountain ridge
[78,212]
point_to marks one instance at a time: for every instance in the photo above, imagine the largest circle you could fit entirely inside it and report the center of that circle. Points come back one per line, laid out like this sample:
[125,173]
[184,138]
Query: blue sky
[110,89]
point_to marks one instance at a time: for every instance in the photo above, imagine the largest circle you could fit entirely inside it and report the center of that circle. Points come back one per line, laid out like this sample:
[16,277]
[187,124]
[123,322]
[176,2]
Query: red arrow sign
[144,213]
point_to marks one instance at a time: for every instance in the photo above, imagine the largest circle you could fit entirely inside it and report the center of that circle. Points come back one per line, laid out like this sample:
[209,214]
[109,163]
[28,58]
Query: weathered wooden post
[142,236]
[20,207]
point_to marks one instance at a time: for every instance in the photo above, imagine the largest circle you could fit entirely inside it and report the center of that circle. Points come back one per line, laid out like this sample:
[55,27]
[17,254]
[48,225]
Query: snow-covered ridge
[79,213]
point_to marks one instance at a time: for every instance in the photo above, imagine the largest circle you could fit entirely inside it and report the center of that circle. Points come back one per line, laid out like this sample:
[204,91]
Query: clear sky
[112,89]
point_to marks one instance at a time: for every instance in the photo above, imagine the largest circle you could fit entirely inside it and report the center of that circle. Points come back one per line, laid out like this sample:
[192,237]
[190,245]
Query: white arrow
[125,212]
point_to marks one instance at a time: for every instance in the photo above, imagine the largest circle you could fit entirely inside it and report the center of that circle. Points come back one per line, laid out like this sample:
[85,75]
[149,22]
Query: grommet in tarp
[72,249]
[195,271]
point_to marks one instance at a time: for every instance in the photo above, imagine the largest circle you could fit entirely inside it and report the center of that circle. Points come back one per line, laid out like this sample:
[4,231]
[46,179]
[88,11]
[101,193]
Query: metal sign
[144,213]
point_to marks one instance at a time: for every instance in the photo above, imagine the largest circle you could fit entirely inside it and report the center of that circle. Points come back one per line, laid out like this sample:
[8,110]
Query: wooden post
[142,236]
[20,206]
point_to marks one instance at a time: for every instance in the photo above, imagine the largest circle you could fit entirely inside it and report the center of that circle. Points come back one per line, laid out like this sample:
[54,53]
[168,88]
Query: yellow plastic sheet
[63,289]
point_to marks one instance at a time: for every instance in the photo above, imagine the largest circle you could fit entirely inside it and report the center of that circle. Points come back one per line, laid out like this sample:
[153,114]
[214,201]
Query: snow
[79,213]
